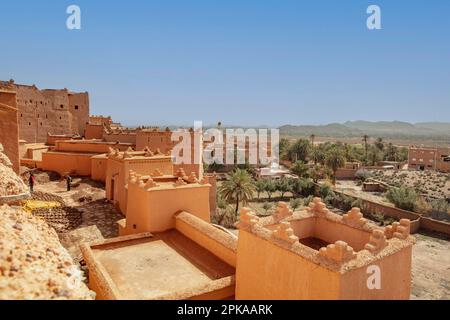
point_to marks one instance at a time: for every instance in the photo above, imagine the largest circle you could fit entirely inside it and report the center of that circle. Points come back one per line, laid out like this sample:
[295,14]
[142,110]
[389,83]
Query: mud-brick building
[54,111]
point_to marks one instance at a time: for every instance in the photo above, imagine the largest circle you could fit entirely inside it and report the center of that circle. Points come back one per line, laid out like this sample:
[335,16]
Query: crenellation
[282,211]
[400,230]
[377,241]
[339,252]
[318,208]
[285,234]
[354,218]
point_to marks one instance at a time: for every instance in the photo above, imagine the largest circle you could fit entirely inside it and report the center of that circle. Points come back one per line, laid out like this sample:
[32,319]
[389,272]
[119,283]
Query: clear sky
[238,61]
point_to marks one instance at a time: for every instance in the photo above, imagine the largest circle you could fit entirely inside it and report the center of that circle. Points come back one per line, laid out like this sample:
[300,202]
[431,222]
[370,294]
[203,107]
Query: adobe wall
[98,167]
[395,276]
[79,111]
[222,244]
[265,271]
[162,140]
[88,146]
[274,263]
[61,162]
[390,211]
[343,174]
[52,139]
[48,111]
[117,174]
[93,131]
[9,128]
[120,137]
[153,210]
[154,140]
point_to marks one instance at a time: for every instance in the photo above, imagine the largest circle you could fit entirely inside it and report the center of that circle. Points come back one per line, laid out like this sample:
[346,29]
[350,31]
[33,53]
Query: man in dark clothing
[31,181]
[69,182]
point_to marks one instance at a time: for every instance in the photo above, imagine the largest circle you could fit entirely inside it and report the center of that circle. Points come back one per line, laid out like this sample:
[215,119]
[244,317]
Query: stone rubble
[33,263]
[10,183]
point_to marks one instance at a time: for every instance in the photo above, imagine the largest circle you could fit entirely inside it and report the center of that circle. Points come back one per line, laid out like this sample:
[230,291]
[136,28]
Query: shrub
[295,203]
[422,206]
[403,198]
[325,189]
[308,200]
[267,206]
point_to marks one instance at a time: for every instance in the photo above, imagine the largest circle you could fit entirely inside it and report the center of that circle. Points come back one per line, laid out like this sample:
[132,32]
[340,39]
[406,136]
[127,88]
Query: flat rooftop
[161,266]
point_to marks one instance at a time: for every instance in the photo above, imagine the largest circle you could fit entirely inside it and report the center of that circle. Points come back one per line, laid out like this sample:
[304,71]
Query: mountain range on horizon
[385,129]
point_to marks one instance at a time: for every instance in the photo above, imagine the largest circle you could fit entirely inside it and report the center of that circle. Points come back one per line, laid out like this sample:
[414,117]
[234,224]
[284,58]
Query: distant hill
[384,129]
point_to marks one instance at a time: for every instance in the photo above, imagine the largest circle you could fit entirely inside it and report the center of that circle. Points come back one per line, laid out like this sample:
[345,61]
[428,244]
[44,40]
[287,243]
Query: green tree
[365,139]
[284,185]
[299,150]
[379,144]
[238,187]
[304,187]
[301,169]
[284,147]
[317,155]
[334,160]
[260,186]
[316,173]
[270,187]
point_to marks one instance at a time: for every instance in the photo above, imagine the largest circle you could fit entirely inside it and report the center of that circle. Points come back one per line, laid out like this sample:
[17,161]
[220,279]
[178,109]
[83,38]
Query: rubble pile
[33,263]
[10,183]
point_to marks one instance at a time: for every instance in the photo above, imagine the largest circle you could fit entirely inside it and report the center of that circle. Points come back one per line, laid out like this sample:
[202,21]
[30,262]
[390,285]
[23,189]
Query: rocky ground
[431,183]
[33,263]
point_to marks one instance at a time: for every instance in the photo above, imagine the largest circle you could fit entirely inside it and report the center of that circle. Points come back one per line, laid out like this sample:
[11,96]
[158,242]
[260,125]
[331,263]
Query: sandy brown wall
[9,129]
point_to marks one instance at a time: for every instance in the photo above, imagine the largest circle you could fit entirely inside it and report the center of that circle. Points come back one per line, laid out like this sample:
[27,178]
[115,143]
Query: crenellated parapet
[180,182]
[339,252]
[377,241]
[181,174]
[354,218]
[285,234]
[400,230]
[150,184]
[318,208]
[192,178]
[247,219]
[282,211]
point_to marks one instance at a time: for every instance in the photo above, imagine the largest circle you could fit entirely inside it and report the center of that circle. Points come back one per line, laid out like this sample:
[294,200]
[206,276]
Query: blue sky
[241,62]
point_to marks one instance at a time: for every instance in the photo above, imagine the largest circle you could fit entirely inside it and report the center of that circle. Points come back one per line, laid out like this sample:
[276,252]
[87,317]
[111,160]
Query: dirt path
[431,268]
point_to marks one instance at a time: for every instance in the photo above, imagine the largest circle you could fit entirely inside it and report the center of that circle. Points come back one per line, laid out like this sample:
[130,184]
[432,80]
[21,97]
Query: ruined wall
[9,128]
[48,111]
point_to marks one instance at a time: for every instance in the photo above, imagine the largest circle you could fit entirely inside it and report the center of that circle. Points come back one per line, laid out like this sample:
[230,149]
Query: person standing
[31,182]
[69,182]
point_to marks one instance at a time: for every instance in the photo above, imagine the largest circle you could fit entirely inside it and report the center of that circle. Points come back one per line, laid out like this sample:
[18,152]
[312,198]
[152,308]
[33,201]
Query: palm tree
[334,160]
[299,150]
[365,140]
[260,186]
[379,144]
[238,187]
[312,137]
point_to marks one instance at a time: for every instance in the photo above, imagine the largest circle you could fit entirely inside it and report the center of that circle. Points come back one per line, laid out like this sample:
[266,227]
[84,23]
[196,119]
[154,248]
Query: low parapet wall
[417,221]
[223,245]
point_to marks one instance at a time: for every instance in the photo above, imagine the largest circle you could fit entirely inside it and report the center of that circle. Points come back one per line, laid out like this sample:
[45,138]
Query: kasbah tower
[48,111]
